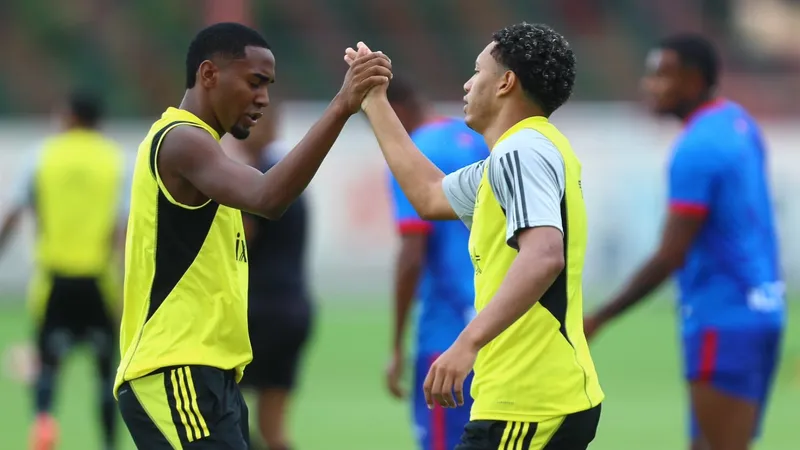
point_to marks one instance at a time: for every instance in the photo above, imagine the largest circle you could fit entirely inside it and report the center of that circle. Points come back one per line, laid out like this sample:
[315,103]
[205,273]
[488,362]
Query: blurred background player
[720,238]
[432,265]
[74,187]
[280,309]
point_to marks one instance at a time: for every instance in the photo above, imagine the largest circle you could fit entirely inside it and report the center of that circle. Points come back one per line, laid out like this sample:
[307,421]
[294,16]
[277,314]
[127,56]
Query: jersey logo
[241,248]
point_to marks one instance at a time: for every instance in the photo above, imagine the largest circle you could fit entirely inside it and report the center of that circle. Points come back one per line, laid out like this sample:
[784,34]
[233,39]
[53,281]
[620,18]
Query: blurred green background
[343,404]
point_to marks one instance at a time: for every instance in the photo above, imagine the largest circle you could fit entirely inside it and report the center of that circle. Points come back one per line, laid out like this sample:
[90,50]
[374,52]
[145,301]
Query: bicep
[530,187]
[198,158]
[460,189]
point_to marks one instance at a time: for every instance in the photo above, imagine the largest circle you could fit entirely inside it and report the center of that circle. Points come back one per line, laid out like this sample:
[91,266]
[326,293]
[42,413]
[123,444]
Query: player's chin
[240,132]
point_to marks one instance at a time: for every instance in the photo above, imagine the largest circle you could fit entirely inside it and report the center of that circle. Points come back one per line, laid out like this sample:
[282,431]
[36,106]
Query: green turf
[342,404]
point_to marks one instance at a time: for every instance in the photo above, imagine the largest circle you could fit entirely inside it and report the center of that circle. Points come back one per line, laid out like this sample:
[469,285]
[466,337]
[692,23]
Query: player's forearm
[647,279]
[9,224]
[528,278]
[406,281]
[284,183]
[418,177]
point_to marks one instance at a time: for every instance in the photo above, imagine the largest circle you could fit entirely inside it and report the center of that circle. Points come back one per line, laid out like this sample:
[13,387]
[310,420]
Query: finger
[372,58]
[458,390]
[350,56]
[437,391]
[426,386]
[374,71]
[447,391]
[362,48]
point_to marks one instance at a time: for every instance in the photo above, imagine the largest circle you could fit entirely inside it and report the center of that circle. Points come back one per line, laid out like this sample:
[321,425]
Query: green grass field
[342,403]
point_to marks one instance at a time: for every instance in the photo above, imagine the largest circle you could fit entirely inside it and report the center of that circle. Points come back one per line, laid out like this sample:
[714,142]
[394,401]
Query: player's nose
[261,99]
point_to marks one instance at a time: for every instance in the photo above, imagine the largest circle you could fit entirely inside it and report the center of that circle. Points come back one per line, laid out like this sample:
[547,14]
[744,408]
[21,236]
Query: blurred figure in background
[74,188]
[432,265]
[280,308]
[720,238]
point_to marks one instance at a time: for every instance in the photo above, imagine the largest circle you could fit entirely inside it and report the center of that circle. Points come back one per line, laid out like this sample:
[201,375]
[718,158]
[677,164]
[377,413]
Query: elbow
[427,214]
[273,212]
[671,259]
[555,264]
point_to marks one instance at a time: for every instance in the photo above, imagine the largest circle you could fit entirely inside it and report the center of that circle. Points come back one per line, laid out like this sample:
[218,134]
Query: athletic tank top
[540,366]
[77,187]
[185,274]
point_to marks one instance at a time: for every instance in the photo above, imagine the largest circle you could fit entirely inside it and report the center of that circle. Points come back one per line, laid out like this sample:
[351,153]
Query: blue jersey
[731,277]
[446,291]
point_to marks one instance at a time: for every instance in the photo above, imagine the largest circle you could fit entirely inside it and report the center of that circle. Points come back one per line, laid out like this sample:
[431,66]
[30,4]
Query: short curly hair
[542,60]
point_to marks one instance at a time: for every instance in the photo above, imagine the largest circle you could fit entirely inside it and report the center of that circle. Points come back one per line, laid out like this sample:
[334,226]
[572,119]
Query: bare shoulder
[186,146]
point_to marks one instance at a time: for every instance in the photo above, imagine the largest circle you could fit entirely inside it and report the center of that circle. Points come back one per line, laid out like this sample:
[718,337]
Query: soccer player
[184,336]
[280,309]
[720,238]
[534,380]
[432,264]
[74,187]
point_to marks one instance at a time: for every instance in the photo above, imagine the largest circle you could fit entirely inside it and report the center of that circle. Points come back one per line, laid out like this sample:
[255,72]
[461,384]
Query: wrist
[371,101]
[339,107]
[469,339]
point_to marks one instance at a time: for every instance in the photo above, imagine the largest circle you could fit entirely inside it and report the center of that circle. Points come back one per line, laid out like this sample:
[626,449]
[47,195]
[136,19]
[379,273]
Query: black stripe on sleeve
[508,173]
[523,219]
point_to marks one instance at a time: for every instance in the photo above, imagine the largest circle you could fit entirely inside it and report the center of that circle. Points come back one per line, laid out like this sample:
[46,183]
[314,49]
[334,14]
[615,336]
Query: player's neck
[506,119]
[194,104]
[691,108]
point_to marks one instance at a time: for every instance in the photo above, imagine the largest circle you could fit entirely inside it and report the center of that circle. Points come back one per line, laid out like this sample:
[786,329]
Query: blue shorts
[439,428]
[740,363]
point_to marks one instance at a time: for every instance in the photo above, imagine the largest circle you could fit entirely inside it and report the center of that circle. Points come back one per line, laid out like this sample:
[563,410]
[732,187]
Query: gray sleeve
[461,187]
[526,173]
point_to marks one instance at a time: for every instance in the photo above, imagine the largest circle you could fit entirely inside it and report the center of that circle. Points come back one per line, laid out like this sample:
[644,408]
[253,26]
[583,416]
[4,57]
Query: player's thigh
[191,407]
[572,432]
[58,324]
[724,421]
[278,342]
[98,327]
[485,435]
[729,372]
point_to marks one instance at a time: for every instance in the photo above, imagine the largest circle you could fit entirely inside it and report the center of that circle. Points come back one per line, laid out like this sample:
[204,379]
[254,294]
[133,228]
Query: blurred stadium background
[133,53]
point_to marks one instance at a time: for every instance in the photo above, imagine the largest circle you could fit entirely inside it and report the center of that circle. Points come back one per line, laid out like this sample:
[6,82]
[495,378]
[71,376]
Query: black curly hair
[542,60]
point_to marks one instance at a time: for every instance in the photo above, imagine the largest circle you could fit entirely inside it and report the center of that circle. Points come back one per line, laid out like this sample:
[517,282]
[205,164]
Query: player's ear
[506,83]
[207,74]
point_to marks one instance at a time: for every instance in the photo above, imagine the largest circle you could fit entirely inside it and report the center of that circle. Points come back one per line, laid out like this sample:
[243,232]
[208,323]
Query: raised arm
[418,177]
[196,157]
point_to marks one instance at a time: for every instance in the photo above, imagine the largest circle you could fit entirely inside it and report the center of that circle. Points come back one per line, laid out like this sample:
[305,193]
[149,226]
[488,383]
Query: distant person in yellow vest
[74,187]
[535,385]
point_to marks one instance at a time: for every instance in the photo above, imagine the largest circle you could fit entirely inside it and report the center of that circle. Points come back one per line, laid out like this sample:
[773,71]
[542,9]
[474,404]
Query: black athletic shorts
[572,432]
[278,336]
[189,407]
[75,311]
